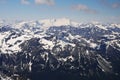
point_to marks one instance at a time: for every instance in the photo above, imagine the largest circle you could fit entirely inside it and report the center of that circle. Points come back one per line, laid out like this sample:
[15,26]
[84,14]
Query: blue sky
[77,10]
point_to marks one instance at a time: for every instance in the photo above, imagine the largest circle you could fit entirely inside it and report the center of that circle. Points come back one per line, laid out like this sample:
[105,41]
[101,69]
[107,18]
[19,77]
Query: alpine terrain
[59,49]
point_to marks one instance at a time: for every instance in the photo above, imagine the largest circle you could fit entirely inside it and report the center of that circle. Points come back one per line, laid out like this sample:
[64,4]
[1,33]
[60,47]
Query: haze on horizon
[77,10]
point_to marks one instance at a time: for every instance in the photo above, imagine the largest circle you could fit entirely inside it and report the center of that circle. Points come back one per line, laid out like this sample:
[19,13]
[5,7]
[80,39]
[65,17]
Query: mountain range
[59,49]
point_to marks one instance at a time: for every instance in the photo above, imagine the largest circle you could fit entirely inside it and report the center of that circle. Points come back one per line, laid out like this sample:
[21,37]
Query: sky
[77,10]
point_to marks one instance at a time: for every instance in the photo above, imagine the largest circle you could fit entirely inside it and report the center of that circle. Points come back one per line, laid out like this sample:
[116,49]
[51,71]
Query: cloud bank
[84,8]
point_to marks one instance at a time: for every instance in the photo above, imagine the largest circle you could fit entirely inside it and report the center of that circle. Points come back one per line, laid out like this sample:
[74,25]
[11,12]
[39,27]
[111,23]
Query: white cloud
[25,2]
[80,7]
[84,8]
[46,2]
[40,2]
[116,5]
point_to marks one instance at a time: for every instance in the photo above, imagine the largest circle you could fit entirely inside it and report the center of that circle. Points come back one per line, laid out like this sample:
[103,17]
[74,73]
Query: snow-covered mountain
[59,48]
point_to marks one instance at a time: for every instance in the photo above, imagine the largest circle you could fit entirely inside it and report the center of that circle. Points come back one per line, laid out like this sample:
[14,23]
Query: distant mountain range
[59,49]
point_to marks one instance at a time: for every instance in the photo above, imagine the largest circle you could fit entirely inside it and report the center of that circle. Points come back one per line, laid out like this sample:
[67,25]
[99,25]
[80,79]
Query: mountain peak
[56,22]
[61,21]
